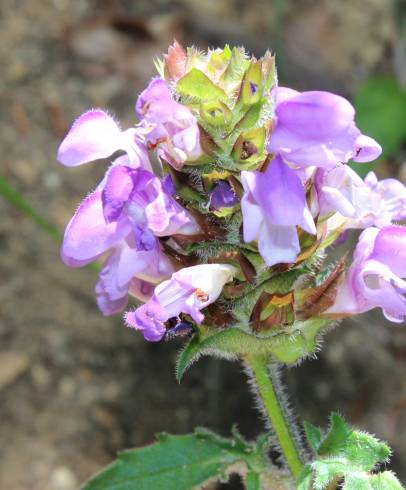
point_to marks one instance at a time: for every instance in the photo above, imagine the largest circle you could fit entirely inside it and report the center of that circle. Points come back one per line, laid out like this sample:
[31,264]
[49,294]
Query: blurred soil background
[76,387]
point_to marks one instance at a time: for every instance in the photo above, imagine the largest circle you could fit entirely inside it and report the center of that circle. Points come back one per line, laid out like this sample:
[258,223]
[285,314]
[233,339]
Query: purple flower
[317,128]
[364,203]
[96,135]
[188,291]
[168,126]
[273,205]
[139,195]
[223,196]
[130,269]
[125,216]
[375,278]
[88,237]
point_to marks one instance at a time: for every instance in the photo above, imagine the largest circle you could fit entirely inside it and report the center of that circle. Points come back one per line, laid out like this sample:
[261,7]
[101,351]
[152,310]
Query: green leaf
[305,478]
[172,463]
[380,104]
[327,470]
[188,462]
[365,451]
[232,343]
[385,481]
[357,481]
[197,85]
[336,437]
[346,456]
[252,481]
[313,435]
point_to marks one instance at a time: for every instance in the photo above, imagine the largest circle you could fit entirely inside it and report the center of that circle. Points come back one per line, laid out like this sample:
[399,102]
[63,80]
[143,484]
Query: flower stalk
[267,392]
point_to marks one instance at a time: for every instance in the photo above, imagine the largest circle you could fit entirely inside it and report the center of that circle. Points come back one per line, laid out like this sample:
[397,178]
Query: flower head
[249,182]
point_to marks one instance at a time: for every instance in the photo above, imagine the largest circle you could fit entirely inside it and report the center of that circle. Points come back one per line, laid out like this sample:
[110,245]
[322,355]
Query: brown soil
[76,387]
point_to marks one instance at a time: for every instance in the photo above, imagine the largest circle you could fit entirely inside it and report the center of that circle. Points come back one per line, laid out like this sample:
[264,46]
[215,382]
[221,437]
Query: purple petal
[111,298]
[94,135]
[366,149]
[117,190]
[315,115]
[390,248]
[373,278]
[338,201]
[381,288]
[173,295]
[278,244]
[393,193]
[317,128]
[281,94]
[165,216]
[144,238]
[168,185]
[168,125]
[307,223]
[148,318]
[280,194]
[141,290]
[365,244]
[252,217]
[110,307]
[157,90]
[222,196]
[87,235]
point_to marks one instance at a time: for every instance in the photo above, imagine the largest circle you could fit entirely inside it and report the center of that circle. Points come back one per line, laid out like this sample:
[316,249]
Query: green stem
[274,410]
[16,199]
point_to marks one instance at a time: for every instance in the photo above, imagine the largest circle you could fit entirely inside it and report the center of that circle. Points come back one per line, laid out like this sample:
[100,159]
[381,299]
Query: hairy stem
[275,412]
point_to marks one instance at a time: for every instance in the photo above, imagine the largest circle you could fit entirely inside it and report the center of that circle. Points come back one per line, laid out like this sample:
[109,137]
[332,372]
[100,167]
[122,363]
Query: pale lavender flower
[125,216]
[127,264]
[167,125]
[376,276]
[273,205]
[317,128]
[364,203]
[188,291]
[96,135]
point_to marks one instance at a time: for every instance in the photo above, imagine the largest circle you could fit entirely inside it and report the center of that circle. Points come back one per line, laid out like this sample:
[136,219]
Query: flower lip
[317,129]
[376,276]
